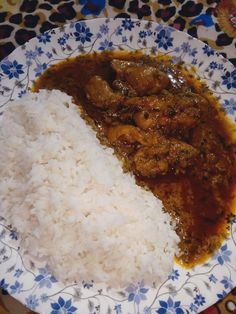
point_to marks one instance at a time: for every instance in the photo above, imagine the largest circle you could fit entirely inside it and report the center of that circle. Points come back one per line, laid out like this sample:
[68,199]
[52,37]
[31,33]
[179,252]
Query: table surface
[212,21]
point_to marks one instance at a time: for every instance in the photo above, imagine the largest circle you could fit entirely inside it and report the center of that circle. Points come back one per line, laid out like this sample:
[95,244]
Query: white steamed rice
[72,204]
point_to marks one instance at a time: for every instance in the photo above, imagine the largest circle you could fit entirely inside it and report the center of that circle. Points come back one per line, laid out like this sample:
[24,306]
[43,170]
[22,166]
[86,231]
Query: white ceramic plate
[185,291]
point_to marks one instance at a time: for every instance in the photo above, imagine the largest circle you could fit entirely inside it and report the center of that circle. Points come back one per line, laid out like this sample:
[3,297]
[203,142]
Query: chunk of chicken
[100,94]
[166,156]
[178,122]
[171,113]
[150,161]
[152,102]
[124,88]
[144,79]
[145,120]
[181,156]
[125,132]
[214,169]
[146,109]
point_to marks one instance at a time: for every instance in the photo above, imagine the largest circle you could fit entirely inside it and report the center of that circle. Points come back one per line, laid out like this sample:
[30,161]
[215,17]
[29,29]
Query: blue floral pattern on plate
[184,291]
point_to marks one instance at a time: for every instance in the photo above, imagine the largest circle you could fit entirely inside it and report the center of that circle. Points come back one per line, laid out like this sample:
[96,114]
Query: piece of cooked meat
[167,156]
[100,94]
[181,156]
[125,133]
[214,169]
[178,122]
[144,79]
[145,120]
[168,112]
[124,88]
[153,102]
[150,161]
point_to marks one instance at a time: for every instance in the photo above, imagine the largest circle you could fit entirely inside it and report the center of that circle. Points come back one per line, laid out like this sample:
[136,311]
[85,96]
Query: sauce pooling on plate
[168,131]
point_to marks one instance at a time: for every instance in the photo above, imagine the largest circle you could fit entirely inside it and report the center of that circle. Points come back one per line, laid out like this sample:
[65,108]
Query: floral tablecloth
[212,21]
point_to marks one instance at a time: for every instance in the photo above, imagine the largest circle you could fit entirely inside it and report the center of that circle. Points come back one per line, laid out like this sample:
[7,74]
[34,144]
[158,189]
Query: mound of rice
[72,204]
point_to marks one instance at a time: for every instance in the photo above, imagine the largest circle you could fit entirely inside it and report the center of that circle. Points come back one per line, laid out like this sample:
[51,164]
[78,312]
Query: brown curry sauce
[192,197]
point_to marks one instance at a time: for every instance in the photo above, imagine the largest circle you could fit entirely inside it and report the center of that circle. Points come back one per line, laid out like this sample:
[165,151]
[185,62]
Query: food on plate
[167,129]
[74,207]
[144,79]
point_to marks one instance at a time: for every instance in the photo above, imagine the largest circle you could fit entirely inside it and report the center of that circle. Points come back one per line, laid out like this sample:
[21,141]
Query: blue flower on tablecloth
[87,284]
[174,275]
[82,33]
[4,286]
[62,306]
[118,31]
[12,69]
[221,295]
[213,65]
[194,61]
[230,106]
[104,29]
[92,6]
[142,34]
[61,41]
[43,297]
[199,299]
[40,69]
[149,32]
[13,234]
[229,79]
[223,254]
[164,40]
[30,54]
[127,24]
[208,51]
[118,309]
[44,38]
[170,306]
[21,93]
[32,302]
[106,45]
[193,308]
[227,282]
[137,293]
[220,66]
[18,272]
[16,288]
[212,278]
[45,278]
